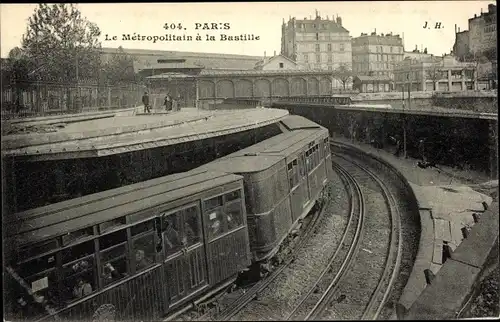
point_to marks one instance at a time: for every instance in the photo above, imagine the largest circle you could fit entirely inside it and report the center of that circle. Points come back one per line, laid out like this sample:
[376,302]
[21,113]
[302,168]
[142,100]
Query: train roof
[49,221]
[267,153]
[295,122]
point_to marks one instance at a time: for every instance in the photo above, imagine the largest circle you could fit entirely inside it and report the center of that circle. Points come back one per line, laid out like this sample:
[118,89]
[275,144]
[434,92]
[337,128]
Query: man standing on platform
[145,101]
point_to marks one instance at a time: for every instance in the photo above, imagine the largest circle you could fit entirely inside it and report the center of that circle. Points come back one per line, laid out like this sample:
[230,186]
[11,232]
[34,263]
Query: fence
[42,99]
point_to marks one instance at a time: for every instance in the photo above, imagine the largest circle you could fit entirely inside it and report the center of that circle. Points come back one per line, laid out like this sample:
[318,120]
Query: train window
[290,167]
[77,235]
[213,203]
[38,265]
[172,238]
[114,252]
[108,225]
[78,279]
[234,215]
[113,256]
[142,228]
[232,196]
[144,251]
[78,251]
[112,239]
[37,249]
[192,226]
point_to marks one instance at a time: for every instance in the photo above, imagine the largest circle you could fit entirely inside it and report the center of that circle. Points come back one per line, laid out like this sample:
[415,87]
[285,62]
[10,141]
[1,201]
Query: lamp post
[404,115]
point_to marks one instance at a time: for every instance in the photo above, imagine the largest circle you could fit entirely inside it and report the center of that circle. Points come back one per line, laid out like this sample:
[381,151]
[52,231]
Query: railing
[58,99]
[337,100]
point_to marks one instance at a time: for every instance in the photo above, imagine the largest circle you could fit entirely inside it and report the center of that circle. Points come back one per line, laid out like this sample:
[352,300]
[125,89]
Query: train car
[283,178]
[135,252]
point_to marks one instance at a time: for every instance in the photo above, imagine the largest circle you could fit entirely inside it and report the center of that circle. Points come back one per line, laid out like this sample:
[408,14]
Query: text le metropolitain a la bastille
[200,31]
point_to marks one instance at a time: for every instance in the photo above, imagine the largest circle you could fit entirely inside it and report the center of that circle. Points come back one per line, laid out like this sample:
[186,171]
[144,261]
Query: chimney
[339,21]
[455,28]
[264,54]
[458,29]
[327,18]
[275,53]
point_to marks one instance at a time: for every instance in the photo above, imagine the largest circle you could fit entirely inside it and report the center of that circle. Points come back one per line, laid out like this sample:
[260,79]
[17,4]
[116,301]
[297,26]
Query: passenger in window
[230,222]
[172,237]
[141,261]
[80,266]
[81,289]
[110,273]
[215,227]
[190,236]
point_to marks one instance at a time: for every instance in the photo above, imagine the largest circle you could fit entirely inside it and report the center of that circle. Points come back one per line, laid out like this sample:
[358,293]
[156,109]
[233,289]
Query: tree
[18,71]
[433,72]
[120,68]
[62,43]
[343,74]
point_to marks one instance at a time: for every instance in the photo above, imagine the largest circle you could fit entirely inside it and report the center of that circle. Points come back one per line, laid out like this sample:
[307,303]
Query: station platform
[119,133]
[446,198]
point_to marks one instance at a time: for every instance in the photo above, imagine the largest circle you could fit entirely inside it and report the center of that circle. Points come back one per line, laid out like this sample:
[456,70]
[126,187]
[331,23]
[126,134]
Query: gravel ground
[277,300]
[357,287]
[486,304]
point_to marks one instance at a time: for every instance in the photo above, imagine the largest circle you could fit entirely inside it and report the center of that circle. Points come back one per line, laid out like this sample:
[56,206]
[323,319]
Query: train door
[304,181]
[185,262]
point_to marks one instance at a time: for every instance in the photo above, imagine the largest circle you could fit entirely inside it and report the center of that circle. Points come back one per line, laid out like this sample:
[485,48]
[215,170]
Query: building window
[330,67]
[317,48]
[329,47]
[317,36]
[391,49]
[318,58]
[281,65]
[306,58]
[341,47]
[329,58]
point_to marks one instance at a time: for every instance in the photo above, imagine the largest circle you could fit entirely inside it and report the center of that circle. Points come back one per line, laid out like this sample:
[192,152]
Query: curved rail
[357,212]
[391,269]
[378,298]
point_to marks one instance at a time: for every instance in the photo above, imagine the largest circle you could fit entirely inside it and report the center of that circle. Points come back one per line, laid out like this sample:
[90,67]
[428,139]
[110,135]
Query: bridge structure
[213,86]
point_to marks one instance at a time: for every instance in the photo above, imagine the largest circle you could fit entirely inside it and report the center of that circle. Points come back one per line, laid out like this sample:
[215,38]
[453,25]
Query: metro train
[143,250]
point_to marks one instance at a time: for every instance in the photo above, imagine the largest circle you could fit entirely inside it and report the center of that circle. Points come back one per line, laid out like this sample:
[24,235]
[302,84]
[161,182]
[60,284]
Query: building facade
[461,47]
[481,38]
[375,55]
[435,74]
[321,44]
[278,62]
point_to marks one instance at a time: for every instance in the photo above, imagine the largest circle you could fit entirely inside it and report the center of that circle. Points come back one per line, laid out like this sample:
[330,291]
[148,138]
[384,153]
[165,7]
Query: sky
[260,19]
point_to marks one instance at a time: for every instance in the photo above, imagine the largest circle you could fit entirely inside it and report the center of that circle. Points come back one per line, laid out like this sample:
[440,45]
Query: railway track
[361,291]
